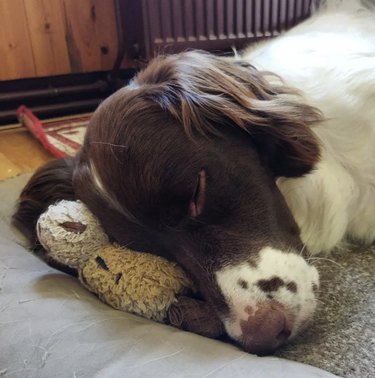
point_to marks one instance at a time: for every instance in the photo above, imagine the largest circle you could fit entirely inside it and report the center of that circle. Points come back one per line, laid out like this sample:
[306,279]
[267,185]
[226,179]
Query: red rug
[62,137]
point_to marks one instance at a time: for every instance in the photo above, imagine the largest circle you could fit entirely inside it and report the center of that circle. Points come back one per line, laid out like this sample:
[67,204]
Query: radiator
[176,25]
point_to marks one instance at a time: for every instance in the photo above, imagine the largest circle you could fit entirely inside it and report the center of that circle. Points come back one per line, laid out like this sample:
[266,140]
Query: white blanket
[50,326]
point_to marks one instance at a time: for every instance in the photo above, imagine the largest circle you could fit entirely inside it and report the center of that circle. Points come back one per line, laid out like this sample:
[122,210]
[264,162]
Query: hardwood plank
[47,32]
[91,34]
[19,153]
[106,31]
[7,168]
[15,47]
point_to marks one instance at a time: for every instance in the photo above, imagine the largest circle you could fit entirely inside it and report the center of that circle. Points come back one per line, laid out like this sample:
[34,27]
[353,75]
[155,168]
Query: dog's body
[183,162]
[331,58]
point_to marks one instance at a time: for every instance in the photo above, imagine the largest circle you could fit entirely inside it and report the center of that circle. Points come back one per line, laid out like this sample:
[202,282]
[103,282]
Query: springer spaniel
[237,173]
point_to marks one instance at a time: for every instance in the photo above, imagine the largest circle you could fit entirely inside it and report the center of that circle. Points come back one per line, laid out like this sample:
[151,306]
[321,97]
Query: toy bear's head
[70,233]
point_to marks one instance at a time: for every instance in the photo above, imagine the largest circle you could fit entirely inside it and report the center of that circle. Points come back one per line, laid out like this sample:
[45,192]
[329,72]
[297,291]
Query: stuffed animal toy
[127,280]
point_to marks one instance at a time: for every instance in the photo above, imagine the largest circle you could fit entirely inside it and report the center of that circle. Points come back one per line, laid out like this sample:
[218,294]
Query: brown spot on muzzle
[242,283]
[272,284]
[292,286]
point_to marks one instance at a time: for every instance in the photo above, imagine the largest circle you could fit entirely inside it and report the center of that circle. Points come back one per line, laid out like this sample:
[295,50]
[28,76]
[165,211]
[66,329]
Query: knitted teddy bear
[127,280]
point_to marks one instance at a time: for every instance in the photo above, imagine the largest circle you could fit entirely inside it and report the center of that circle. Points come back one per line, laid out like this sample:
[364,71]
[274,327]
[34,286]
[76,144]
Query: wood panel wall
[54,37]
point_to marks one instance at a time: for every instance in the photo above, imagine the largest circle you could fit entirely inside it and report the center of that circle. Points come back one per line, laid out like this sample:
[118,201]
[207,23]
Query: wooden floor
[19,153]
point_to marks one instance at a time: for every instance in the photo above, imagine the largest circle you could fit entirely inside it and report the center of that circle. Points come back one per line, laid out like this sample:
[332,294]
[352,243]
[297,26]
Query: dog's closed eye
[198,200]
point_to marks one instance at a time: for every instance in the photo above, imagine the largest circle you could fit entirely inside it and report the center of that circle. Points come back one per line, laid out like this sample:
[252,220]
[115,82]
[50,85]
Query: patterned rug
[62,137]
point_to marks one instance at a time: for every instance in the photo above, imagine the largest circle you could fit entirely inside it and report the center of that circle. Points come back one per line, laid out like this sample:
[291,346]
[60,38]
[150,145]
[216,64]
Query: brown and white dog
[236,173]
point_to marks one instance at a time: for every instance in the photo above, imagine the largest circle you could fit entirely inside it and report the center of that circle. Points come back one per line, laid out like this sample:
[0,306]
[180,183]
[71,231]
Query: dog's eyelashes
[198,200]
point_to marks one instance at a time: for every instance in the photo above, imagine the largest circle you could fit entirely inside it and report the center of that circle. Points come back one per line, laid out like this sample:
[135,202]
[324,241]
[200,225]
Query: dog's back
[331,59]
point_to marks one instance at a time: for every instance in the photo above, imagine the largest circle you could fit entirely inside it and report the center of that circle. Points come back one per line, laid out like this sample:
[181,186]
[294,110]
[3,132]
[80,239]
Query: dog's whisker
[110,144]
[325,259]
[302,249]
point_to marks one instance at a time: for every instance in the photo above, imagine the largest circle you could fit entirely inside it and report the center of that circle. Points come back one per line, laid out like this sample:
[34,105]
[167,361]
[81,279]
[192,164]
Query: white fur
[290,267]
[331,59]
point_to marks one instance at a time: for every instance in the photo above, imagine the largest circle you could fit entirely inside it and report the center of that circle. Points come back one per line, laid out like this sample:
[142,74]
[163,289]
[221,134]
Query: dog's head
[182,162]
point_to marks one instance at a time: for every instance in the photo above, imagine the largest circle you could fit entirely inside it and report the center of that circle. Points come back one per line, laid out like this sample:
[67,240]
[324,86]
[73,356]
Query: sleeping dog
[237,168]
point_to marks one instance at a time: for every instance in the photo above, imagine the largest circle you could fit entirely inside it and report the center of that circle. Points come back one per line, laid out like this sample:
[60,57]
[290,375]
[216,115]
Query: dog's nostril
[266,329]
[284,334]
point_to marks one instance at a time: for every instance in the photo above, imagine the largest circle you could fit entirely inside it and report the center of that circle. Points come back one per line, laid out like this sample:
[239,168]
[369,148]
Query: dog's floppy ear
[206,93]
[49,184]
[286,143]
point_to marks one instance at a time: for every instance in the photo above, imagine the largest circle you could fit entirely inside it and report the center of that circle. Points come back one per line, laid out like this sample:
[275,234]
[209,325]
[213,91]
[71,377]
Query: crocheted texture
[70,233]
[127,280]
[136,282]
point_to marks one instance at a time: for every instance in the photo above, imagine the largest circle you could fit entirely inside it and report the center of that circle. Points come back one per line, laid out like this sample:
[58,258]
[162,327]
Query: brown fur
[185,117]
